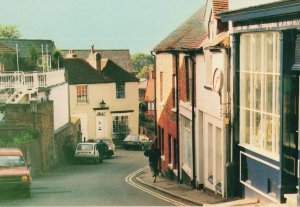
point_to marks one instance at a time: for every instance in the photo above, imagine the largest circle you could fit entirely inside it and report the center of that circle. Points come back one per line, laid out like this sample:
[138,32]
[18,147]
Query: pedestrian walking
[154,154]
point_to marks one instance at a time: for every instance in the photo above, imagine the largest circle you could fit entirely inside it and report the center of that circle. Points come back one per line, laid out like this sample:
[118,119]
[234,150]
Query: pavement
[187,193]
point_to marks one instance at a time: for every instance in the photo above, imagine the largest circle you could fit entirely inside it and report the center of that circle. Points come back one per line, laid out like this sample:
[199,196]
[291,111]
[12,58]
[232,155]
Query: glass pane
[276,133]
[245,126]
[268,133]
[257,129]
[277,95]
[245,90]
[268,93]
[256,52]
[257,91]
[246,53]
[269,52]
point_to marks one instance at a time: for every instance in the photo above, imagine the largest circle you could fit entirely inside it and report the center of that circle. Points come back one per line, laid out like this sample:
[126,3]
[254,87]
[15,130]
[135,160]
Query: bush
[20,139]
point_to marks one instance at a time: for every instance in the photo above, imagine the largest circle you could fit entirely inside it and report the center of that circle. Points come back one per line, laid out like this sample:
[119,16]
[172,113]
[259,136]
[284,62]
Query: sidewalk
[189,194]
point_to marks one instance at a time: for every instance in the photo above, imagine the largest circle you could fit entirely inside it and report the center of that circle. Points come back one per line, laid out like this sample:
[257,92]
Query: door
[290,133]
[100,124]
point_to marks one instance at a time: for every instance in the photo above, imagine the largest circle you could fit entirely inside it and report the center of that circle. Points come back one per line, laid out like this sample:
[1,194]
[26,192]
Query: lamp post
[33,108]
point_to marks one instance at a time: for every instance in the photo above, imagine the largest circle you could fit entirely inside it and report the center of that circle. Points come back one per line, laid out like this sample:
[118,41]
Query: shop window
[120,125]
[259,91]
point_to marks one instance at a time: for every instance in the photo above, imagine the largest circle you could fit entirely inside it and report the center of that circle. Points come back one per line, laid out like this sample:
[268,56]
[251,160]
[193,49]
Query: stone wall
[51,148]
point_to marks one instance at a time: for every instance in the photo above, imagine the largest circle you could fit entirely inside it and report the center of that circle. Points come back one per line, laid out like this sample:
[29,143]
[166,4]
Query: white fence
[31,80]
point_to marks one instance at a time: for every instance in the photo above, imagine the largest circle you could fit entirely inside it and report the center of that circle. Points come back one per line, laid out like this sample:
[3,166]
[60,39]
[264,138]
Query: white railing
[32,80]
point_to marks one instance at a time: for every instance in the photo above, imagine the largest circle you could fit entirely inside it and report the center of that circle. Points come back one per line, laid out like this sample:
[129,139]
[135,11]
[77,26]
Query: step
[291,199]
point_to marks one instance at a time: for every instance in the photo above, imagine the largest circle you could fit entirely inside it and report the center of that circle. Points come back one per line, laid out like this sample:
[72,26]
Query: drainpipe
[154,77]
[193,121]
[177,116]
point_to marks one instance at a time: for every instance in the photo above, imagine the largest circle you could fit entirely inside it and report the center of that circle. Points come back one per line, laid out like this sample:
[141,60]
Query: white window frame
[255,74]
[82,94]
[120,94]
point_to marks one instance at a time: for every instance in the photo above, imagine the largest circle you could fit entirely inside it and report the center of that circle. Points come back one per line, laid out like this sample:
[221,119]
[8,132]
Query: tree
[9,32]
[141,60]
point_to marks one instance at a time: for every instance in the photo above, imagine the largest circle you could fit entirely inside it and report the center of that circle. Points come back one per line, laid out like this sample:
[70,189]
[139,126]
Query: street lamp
[33,108]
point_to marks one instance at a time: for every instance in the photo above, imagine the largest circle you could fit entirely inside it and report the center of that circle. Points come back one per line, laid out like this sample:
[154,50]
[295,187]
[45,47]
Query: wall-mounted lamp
[102,104]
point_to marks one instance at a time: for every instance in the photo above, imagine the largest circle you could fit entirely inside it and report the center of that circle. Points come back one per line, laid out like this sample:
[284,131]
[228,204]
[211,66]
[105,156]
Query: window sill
[262,152]
[163,158]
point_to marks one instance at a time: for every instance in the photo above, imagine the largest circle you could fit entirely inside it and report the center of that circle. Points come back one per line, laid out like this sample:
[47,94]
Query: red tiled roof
[149,95]
[188,35]
[219,6]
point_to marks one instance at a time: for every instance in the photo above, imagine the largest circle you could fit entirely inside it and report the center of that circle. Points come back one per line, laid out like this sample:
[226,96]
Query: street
[106,184]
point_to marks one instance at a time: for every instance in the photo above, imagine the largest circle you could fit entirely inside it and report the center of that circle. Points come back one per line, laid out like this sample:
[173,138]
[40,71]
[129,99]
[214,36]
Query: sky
[137,25]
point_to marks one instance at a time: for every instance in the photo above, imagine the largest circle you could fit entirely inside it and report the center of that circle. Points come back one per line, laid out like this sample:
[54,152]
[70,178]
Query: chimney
[98,61]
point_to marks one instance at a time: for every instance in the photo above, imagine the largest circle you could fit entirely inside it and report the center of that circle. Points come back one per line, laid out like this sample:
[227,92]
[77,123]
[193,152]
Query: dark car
[111,148]
[15,174]
[135,141]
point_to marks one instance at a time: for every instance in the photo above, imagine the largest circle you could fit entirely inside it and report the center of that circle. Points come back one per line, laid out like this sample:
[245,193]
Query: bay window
[259,91]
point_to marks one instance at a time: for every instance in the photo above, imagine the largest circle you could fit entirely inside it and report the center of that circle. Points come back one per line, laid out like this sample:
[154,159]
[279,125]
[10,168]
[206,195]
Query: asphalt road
[89,185]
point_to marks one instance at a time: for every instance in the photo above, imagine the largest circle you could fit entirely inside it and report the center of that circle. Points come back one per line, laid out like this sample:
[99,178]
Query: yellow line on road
[129,178]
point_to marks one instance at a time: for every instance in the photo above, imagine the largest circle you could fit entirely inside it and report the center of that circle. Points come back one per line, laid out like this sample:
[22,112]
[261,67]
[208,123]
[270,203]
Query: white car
[89,151]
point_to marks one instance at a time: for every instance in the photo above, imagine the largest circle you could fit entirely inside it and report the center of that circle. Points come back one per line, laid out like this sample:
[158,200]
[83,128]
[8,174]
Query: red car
[14,172]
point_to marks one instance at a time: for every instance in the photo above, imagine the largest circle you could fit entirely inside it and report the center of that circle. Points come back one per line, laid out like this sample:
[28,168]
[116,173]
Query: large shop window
[81,93]
[259,91]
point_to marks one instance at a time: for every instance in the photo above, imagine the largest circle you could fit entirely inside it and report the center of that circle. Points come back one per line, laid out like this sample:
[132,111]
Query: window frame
[120,90]
[82,93]
[259,117]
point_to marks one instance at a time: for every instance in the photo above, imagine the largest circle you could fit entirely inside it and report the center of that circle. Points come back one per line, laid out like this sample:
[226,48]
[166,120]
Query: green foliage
[18,140]
[32,59]
[144,72]
[9,32]
[141,60]
[122,131]
[57,59]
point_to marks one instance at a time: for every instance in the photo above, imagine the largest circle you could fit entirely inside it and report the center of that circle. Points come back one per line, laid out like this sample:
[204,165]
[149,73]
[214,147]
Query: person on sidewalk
[154,154]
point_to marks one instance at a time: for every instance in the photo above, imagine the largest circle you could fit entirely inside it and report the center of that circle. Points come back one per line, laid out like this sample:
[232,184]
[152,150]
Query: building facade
[103,95]
[265,65]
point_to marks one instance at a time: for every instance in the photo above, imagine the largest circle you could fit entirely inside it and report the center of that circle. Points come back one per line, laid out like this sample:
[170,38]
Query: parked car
[135,141]
[15,174]
[111,148]
[89,151]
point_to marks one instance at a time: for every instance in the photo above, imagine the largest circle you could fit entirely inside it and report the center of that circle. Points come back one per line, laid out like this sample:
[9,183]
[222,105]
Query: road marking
[129,178]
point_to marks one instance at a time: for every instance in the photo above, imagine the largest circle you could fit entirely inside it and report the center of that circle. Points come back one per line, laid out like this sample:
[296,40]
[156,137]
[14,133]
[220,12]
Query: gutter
[155,114]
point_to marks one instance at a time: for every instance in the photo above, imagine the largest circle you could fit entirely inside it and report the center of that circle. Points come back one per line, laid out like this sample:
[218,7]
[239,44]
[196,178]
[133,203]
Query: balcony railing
[31,80]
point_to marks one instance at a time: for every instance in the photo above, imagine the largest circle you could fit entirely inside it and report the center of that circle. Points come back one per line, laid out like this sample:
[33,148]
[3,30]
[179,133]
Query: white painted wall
[60,97]
[239,4]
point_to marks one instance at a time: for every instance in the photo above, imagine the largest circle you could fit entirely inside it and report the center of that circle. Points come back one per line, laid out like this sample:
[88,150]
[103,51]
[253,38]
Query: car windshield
[11,160]
[85,147]
[134,138]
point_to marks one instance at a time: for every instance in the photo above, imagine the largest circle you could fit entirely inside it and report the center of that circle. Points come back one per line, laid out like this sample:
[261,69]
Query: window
[186,125]
[174,95]
[120,90]
[175,150]
[120,124]
[81,93]
[161,86]
[259,91]
[188,79]
[162,138]
[170,148]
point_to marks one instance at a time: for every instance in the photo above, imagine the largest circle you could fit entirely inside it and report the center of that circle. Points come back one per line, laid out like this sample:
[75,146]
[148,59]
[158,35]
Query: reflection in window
[259,90]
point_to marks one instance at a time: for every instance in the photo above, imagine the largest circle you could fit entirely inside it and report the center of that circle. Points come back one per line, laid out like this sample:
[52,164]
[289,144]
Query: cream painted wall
[107,92]
[239,4]
[60,97]
[207,100]
[165,64]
